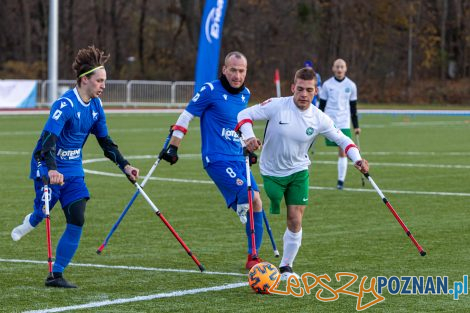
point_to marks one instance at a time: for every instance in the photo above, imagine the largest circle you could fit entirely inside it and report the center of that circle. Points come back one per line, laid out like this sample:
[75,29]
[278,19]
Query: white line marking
[194,156]
[404,164]
[197,181]
[178,293]
[124,267]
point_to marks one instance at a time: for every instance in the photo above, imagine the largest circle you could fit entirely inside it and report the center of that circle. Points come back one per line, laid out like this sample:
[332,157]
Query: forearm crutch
[397,217]
[164,220]
[115,226]
[46,193]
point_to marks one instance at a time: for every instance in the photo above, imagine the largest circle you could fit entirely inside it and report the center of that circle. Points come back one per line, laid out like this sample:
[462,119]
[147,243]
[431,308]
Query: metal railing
[132,93]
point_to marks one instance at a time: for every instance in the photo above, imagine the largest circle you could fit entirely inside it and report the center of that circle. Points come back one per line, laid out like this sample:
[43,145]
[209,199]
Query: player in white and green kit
[338,99]
[293,125]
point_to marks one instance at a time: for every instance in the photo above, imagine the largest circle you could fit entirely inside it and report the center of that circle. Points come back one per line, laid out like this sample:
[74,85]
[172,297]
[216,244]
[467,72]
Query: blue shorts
[230,178]
[74,188]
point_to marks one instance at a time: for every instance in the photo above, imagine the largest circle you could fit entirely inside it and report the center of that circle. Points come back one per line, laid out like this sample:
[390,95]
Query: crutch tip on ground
[100,249]
[276,253]
[423,253]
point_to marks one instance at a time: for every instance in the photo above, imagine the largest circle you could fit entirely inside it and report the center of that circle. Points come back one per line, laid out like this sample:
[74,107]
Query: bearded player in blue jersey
[217,104]
[73,117]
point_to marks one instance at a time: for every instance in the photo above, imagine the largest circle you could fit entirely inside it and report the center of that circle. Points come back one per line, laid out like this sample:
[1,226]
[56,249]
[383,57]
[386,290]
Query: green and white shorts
[294,188]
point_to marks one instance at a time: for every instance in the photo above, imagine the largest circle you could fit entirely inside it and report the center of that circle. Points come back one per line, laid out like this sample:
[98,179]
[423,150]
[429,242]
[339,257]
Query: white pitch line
[131,268]
[192,156]
[404,164]
[178,293]
[197,181]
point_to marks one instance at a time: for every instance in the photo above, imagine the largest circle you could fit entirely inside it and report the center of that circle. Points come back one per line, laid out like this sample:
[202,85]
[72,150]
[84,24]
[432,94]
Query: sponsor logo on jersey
[78,114]
[309,131]
[225,96]
[230,134]
[63,104]
[69,154]
[57,114]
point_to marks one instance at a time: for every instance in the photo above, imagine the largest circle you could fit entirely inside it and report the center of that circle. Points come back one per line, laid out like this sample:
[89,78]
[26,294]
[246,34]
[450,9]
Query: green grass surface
[421,163]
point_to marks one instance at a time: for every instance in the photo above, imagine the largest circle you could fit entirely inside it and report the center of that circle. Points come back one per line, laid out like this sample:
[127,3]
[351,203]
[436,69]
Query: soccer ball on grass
[262,276]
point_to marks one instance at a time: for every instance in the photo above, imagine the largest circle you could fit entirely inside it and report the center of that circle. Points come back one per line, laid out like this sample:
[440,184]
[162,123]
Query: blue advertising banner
[210,38]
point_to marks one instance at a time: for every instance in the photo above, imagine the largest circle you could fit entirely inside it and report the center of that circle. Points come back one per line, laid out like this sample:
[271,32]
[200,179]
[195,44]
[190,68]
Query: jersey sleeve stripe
[349,147]
[247,120]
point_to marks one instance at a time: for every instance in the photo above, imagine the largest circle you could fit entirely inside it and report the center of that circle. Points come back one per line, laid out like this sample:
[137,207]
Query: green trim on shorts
[294,189]
[346,131]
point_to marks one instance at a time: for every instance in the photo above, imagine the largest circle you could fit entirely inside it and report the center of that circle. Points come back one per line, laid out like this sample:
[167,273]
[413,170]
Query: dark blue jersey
[72,120]
[218,110]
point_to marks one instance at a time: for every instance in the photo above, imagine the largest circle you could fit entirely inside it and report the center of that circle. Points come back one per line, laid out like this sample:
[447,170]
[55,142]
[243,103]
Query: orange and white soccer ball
[262,276]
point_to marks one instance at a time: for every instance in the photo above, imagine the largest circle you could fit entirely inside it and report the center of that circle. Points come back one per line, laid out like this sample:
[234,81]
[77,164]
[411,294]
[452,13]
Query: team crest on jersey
[347,90]
[63,104]
[266,101]
[243,98]
[225,96]
[95,115]
[309,131]
[239,182]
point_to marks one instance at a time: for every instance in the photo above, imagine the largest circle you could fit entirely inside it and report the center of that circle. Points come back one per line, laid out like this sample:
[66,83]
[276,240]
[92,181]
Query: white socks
[292,243]
[342,168]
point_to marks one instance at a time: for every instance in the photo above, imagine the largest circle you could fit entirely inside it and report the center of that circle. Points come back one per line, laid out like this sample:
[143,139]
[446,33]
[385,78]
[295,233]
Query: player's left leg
[296,197]
[73,200]
[342,162]
[342,168]
[230,179]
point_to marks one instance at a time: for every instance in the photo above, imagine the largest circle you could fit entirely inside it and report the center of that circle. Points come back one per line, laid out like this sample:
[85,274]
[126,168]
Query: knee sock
[342,168]
[67,247]
[292,243]
[258,217]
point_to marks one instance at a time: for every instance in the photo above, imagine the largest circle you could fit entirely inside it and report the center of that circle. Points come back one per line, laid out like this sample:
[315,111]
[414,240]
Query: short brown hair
[306,73]
[87,59]
[236,54]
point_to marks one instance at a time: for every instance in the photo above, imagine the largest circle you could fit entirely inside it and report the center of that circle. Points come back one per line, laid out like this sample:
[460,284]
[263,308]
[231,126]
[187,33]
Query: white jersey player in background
[293,125]
[338,99]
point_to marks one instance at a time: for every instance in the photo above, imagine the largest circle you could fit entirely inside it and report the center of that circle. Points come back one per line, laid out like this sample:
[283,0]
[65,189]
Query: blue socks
[67,246]
[258,216]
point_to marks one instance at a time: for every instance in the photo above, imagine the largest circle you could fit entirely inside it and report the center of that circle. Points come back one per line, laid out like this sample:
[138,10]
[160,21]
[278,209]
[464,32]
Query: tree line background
[400,51]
